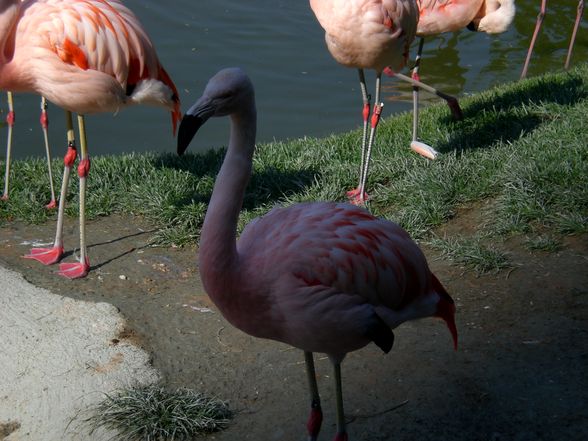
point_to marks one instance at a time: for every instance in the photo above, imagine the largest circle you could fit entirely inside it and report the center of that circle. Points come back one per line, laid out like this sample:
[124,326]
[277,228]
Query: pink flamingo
[540,17]
[322,277]
[373,34]
[490,16]
[44,120]
[89,56]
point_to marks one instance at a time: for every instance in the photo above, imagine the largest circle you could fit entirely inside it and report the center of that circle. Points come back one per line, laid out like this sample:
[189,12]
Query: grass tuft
[154,413]
[544,243]
[471,253]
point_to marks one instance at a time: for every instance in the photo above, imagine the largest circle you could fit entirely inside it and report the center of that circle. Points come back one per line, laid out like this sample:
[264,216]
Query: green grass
[472,253]
[522,145]
[153,413]
[544,243]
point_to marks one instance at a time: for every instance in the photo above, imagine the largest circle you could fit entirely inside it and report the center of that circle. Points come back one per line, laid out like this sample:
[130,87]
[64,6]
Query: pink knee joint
[84,167]
[366,111]
[44,119]
[376,116]
[71,155]
[10,118]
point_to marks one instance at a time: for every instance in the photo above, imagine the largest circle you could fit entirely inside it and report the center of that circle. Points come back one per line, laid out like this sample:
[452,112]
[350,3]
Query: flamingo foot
[75,270]
[341,436]
[4,197]
[356,198]
[47,256]
[455,109]
[51,205]
[424,150]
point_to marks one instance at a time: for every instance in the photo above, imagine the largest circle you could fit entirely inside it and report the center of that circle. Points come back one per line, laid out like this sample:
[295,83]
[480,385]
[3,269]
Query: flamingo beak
[176,116]
[194,118]
[446,311]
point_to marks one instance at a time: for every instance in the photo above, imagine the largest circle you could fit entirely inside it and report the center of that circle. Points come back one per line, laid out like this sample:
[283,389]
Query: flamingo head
[225,94]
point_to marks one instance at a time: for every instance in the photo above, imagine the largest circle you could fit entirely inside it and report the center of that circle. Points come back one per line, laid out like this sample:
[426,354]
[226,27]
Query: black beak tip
[188,128]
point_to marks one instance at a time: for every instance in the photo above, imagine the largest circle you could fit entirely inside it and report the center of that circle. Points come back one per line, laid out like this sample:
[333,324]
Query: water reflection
[553,40]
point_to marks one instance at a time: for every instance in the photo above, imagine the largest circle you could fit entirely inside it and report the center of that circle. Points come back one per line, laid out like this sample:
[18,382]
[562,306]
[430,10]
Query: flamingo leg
[417,146]
[44,120]
[48,256]
[316,414]
[452,102]
[415,91]
[80,268]
[540,18]
[579,13]
[10,122]
[341,430]
[352,194]
[362,196]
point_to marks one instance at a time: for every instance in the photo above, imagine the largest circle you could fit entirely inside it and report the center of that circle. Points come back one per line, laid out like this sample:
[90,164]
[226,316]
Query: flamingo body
[368,34]
[338,278]
[372,34]
[322,276]
[85,56]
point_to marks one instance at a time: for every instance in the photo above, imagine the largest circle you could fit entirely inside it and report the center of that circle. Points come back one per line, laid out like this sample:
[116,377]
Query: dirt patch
[519,373]
[7,428]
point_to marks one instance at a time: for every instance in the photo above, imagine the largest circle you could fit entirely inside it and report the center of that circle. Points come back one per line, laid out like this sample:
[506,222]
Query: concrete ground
[58,356]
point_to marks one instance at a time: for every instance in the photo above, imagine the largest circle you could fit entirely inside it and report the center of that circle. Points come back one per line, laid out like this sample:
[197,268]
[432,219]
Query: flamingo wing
[329,263]
[340,246]
[95,34]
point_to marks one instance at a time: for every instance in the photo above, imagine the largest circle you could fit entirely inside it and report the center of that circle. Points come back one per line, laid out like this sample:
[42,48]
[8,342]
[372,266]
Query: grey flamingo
[322,277]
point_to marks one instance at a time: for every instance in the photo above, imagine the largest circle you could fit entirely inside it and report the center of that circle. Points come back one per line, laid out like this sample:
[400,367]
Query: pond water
[301,90]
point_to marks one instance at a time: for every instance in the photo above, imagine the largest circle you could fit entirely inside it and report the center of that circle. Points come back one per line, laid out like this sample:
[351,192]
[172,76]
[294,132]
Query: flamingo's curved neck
[218,251]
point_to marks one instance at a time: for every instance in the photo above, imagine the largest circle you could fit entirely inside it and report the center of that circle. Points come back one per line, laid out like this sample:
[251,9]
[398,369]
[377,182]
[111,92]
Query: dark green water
[300,89]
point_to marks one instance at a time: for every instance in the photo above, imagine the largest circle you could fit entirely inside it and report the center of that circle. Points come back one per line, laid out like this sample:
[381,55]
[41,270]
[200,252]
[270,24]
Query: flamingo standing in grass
[44,120]
[85,56]
[540,17]
[373,34]
[435,17]
[322,277]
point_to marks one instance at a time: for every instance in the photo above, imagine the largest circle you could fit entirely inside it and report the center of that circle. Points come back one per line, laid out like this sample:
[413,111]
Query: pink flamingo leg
[353,194]
[420,147]
[415,91]
[44,120]
[10,118]
[80,268]
[451,101]
[417,146]
[540,18]
[579,13]
[361,197]
[49,256]
[315,418]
